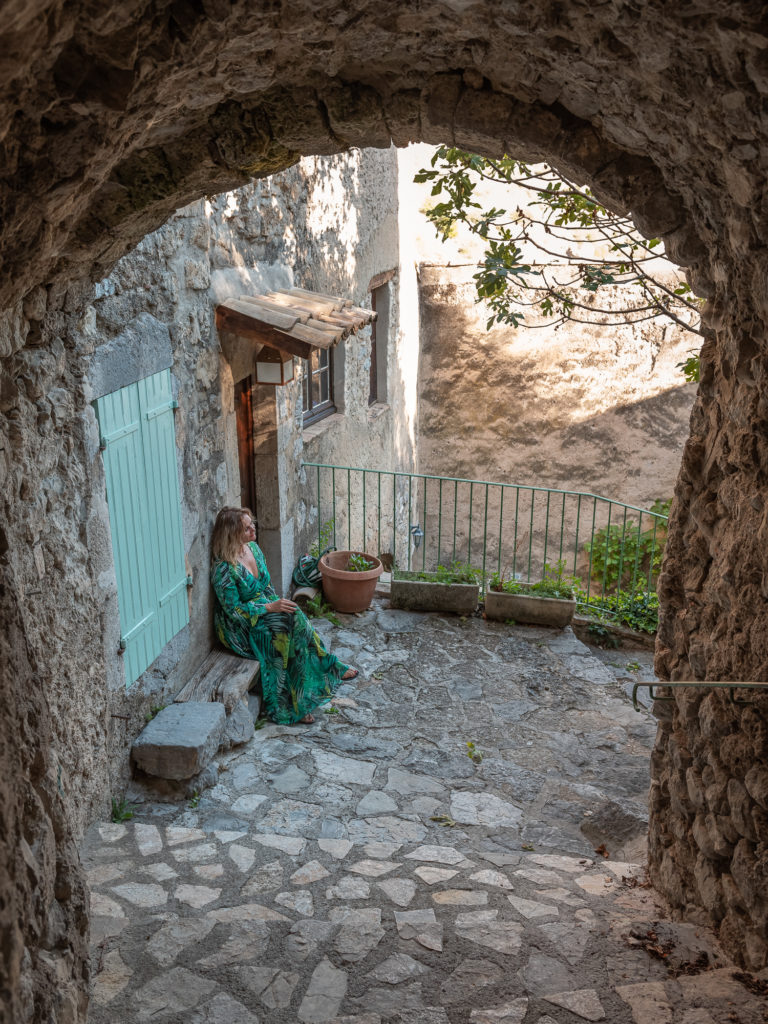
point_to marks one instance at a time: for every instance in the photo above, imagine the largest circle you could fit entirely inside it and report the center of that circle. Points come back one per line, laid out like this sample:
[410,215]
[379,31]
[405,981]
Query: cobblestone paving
[366,870]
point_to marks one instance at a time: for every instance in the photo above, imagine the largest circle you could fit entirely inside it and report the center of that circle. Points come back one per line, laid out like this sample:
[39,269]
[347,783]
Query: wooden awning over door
[294,320]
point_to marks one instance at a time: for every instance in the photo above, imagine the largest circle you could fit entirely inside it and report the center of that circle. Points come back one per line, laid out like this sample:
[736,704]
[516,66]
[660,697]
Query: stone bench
[211,712]
[223,677]
[229,680]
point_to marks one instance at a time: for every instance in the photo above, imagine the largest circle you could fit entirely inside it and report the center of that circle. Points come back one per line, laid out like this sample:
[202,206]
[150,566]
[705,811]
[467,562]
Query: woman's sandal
[306,720]
[346,678]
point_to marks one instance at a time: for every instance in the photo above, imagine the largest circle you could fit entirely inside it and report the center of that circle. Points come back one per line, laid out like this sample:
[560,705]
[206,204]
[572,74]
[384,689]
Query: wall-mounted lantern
[418,536]
[273,366]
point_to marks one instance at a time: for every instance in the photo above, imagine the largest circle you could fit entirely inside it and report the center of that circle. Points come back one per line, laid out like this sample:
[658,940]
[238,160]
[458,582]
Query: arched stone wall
[113,116]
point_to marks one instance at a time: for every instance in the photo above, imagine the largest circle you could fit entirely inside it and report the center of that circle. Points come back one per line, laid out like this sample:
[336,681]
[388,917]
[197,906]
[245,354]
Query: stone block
[239,725]
[613,824]
[181,740]
[695,789]
[756,783]
[522,607]
[740,805]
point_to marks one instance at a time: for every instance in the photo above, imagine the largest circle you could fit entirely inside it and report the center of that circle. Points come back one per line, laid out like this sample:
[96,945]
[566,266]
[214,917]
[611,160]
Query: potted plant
[549,602]
[453,588]
[349,579]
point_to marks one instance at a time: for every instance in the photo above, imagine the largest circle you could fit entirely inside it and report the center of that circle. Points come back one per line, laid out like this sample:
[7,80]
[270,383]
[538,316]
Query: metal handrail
[485,523]
[678,684]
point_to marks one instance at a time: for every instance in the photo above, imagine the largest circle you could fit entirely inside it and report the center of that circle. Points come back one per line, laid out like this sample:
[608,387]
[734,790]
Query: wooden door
[244,415]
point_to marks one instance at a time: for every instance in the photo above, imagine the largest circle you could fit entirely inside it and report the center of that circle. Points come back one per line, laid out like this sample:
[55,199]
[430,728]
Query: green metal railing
[419,521]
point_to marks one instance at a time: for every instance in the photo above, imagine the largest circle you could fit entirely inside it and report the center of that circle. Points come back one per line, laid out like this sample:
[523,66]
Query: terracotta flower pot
[348,591]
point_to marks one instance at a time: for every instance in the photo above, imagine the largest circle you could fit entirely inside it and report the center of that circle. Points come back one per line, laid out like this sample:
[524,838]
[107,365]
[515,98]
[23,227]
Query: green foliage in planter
[627,549]
[456,572]
[326,537]
[359,563]
[554,583]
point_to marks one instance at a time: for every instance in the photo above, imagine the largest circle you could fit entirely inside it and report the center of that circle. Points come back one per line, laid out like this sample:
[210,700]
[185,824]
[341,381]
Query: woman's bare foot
[307,720]
[351,673]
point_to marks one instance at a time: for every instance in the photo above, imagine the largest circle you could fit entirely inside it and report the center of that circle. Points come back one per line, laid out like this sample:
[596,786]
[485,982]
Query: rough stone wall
[52,760]
[112,119]
[709,802]
[578,408]
[602,411]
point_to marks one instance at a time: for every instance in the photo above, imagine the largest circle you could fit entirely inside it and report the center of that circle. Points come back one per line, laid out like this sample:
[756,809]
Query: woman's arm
[226,591]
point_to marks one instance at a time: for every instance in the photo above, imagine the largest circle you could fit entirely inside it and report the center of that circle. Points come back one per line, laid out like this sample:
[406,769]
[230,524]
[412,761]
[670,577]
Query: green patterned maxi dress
[297,673]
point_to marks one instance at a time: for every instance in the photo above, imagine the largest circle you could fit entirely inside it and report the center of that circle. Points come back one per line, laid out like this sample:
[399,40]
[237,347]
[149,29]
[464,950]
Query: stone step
[181,740]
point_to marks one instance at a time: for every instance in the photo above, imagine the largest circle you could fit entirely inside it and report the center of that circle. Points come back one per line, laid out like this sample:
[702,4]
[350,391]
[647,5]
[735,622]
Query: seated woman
[297,673]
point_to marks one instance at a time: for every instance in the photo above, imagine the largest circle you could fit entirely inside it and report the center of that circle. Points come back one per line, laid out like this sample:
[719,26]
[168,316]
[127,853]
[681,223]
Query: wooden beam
[247,309]
[379,279]
[261,334]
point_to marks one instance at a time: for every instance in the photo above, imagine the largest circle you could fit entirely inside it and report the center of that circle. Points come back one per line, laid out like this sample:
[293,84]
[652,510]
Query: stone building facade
[329,225]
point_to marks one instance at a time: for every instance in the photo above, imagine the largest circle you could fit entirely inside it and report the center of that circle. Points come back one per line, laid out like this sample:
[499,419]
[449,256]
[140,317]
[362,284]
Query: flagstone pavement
[369,869]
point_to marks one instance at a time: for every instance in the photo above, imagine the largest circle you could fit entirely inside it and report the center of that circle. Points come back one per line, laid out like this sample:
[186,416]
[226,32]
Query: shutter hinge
[121,646]
[174,404]
[102,443]
[190,581]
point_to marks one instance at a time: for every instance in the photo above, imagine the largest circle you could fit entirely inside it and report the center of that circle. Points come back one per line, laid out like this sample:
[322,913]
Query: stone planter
[423,596]
[348,591]
[529,608]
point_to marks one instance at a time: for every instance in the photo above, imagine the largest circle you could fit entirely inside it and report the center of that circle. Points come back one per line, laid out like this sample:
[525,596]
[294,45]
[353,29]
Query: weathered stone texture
[709,837]
[597,409]
[181,739]
[114,117]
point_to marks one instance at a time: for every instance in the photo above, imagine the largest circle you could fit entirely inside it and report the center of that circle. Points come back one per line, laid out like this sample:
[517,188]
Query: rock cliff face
[602,409]
[113,117]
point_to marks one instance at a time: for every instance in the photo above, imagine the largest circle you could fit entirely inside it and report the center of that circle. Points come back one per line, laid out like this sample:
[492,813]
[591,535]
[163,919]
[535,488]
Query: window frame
[313,412]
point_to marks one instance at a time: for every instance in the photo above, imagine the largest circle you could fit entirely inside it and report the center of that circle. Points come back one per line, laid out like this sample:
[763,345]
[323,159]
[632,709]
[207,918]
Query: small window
[317,385]
[381,303]
[373,390]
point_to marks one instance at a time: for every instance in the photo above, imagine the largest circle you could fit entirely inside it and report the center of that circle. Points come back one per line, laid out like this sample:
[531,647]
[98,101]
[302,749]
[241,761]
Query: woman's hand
[281,605]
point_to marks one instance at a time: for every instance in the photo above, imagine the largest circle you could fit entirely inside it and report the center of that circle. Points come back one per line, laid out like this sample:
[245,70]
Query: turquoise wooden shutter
[139,441]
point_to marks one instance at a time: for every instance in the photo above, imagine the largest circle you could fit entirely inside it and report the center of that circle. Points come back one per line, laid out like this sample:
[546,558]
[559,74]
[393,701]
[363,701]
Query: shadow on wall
[576,409]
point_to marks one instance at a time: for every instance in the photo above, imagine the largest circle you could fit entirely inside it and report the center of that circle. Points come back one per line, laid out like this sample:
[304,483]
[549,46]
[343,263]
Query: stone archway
[113,118]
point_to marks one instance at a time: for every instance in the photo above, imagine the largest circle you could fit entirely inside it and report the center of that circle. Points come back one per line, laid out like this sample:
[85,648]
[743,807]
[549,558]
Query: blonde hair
[227,537]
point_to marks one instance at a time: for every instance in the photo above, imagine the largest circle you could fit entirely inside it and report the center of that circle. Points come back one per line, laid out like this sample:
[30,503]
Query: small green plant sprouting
[330,710]
[633,666]
[194,800]
[555,582]
[473,753]
[327,531]
[154,710]
[359,563]
[121,810]
[509,622]
[260,723]
[528,846]
[456,572]
[316,608]
[601,635]
[444,819]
